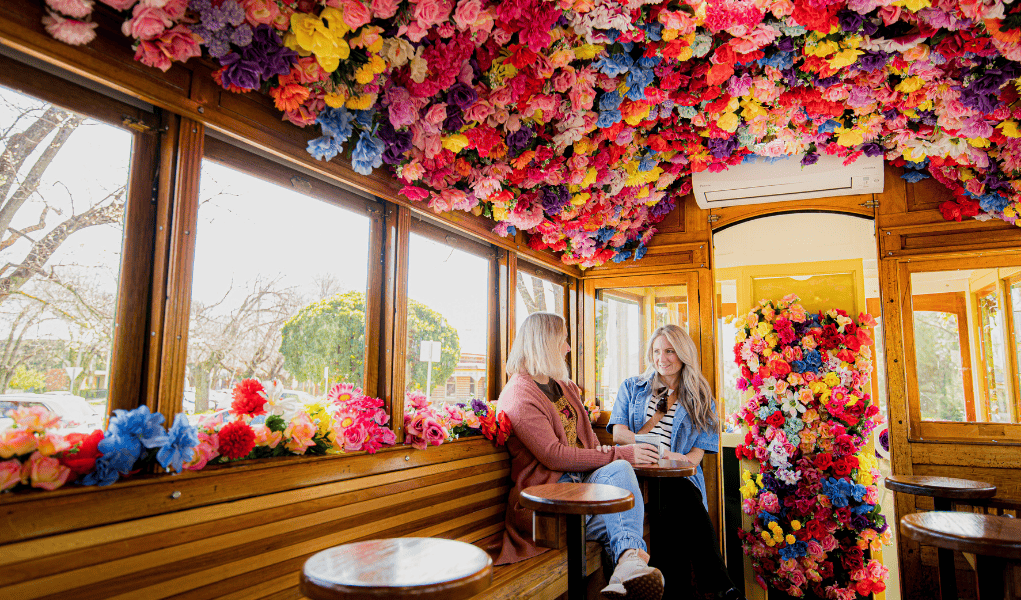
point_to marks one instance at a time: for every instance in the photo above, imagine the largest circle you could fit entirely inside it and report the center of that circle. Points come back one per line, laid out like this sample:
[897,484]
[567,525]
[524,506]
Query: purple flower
[723,148]
[479,407]
[462,96]
[785,44]
[269,52]
[246,74]
[520,138]
[810,159]
[454,120]
[850,21]
[661,208]
[870,61]
[554,199]
[872,149]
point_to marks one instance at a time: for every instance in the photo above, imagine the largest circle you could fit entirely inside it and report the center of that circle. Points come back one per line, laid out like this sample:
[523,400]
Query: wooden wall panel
[233,547]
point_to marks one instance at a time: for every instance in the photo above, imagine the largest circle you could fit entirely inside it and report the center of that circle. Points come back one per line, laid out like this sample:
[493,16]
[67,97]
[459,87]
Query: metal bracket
[870,203]
[133,123]
[714,218]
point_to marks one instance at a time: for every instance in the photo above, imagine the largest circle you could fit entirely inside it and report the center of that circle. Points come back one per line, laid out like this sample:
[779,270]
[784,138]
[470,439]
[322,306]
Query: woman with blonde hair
[553,441]
[673,401]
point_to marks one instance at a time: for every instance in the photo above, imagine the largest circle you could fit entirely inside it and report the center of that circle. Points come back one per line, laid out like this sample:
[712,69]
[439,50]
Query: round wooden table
[943,490]
[420,568]
[573,501]
[995,540]
[653,474]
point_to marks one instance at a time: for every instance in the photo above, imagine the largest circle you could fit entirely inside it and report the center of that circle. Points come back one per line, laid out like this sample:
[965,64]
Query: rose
[433,431]
[356,14]
[467,13]
[16,442]
[431,12]
[10,474]
[354,437]
[79,9]
[44,472]
[384,9]
[146,23]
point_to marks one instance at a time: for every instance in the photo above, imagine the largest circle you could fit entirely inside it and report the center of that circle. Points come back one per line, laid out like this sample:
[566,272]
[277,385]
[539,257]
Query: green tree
[27,379]
[327,333]
[425,323]
[938,358]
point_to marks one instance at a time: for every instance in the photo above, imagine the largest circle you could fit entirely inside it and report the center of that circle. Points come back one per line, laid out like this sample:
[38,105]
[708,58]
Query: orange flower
[289,97]
[1010,36]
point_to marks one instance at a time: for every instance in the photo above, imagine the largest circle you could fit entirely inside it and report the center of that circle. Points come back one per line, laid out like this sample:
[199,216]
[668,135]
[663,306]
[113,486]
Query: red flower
[249,398]
[776,419]
[84,451]
[236,440]
[823,461]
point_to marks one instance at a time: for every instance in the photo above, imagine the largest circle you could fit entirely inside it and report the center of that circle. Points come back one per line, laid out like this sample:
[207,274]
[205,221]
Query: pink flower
[467,13]
[10,474]
[43,472]
[151,55]
[434,431]
[355,14]
[416,400]
[354,437]
[35,418]
[146,23]
[16,442]
[300,432]
[384,9]
[264,436]
[207,450]
[119,4]
[436,114]
[260,12]
[52,443]
[432,12]
[79,9]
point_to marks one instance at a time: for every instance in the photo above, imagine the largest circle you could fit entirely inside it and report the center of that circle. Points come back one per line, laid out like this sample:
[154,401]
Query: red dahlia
[236,440]
[249,398]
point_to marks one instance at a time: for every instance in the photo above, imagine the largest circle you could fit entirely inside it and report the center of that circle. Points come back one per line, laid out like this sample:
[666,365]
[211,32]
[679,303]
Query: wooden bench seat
[542,577]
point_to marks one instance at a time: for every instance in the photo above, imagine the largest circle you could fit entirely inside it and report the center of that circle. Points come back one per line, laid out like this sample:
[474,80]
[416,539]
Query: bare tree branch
[19,147]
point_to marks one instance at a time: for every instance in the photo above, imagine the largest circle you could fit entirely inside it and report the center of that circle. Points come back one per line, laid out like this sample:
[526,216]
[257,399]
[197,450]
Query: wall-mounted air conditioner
[759,180]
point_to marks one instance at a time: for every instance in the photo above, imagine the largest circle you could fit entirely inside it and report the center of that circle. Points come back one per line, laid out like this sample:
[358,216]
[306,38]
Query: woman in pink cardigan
[553,441]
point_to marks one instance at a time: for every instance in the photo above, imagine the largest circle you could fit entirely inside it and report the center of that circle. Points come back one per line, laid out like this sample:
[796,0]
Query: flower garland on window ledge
[581,121]
[260,424]
[808,422]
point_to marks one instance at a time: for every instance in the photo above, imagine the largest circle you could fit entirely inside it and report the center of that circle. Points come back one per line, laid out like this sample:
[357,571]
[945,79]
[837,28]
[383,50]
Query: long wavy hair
[695,393]
[536,348]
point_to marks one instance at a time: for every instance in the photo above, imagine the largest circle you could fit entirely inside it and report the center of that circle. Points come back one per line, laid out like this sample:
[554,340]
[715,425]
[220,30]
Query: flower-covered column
[808,423]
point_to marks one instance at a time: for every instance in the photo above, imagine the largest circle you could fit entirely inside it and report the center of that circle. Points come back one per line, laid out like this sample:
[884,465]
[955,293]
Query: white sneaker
[633,579]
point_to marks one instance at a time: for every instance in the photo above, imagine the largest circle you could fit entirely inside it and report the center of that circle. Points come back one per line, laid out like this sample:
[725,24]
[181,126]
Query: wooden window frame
[923,431]
[953,303]
[128,377]
[1012,343]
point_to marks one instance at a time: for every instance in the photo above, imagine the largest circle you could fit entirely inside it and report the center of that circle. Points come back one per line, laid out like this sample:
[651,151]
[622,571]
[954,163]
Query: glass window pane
[1015,306]
[624,319]
[62,198]
[994,357]
[939,365]
[726,309]
[448,307]
[278,291]
[535,294]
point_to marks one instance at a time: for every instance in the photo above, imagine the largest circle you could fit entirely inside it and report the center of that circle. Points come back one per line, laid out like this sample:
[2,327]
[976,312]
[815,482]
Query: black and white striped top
[666,425]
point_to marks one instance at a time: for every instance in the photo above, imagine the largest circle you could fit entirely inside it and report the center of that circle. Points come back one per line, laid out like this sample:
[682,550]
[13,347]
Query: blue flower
[368,154]
[336,122]
[610,100]
[180,447]
[914,176]
[365,117]
[608,117]
[120,452]
[640,251]
[323,147]
[138,424]
[103,473]
[614,64]
[648,163]
[621,256]
[829,126]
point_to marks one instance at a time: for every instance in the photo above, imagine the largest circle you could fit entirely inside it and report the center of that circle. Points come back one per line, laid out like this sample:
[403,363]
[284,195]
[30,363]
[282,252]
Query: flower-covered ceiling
[580,121]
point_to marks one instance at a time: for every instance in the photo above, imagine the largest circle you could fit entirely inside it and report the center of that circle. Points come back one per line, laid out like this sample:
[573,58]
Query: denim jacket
[630,410]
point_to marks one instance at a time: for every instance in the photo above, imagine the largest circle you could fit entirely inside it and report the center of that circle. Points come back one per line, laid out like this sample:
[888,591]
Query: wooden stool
[943,490]
[555,503]
[419,568]
[651,475]
[995,540]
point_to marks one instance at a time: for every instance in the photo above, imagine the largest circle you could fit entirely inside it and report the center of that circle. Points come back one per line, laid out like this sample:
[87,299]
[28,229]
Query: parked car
[74,412]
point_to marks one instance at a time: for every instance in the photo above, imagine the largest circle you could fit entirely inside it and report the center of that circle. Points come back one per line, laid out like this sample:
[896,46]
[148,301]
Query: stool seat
[940,487]
[420,568]
[666,468]
[987,535]
[577,498]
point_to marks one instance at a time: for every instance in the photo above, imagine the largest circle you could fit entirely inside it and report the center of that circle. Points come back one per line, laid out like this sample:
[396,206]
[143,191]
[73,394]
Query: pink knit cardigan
[540,454]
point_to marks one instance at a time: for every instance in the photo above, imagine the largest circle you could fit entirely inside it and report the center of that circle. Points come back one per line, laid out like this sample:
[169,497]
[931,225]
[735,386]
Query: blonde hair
[695,394]
[536,348]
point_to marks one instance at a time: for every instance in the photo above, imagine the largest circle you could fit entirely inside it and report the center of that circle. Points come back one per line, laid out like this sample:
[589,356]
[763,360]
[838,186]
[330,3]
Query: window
[448,327]
[471,386]
[965,345]
[63,193]
[278,288]
[538,290]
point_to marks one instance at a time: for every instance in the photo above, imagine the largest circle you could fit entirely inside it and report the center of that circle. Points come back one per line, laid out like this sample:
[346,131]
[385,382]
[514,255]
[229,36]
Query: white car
[74,412]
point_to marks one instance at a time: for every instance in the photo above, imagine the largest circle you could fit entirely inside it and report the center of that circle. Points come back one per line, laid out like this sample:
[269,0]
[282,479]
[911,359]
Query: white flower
[791,405]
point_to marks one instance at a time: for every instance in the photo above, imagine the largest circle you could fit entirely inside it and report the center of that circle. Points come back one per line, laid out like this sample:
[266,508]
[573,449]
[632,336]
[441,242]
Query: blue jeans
[617,532]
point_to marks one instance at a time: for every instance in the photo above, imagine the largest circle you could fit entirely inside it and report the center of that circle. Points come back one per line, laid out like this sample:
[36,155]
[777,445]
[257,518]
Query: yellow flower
[364,74]
[913,5]
[845,58]
[849,137]
[455,143]
[796,525]
[752,109]
[669,35]
[823,49]
[764,328]
[790,539]
[1009,129]
[978,142]
[588,51]
[765,535]
[910,84]
[361,101]
[915,154]
[580,199]
[336,100]
[499,213]
[728,122]
[831,379]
